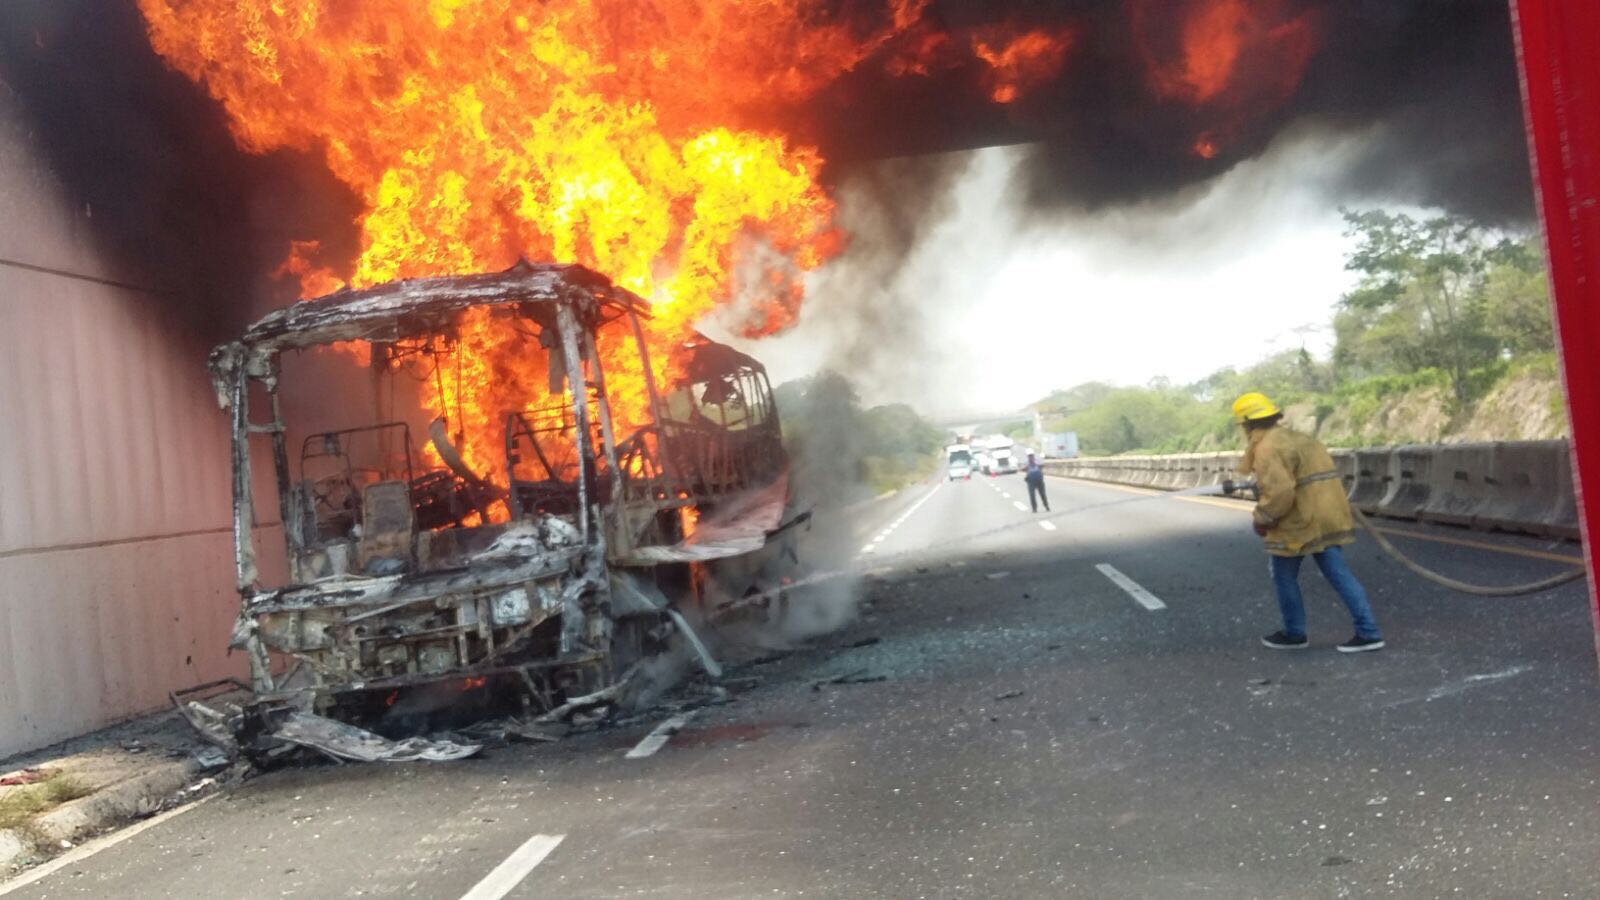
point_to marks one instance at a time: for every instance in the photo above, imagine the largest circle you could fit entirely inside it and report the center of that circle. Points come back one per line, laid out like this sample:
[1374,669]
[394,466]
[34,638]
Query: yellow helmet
[1253,406]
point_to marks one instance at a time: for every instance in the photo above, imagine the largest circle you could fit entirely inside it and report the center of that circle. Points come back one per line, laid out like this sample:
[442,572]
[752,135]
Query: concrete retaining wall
[116,581]
[1521,486]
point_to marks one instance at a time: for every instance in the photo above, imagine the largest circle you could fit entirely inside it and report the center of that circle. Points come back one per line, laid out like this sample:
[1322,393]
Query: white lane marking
[1473,681]
[658,737]
[1005,495]
[1145,598]
[516,867]
[1048,526]
[883,535]
[89,849]
[1018,505]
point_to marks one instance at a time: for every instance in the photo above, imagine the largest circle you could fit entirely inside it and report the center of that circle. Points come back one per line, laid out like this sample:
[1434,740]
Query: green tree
[1517,299]
[1160,417]
[1420,301]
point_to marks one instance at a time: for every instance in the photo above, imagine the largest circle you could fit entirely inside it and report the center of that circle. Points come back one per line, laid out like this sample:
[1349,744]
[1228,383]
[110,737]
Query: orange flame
[632,136]
[1019,61]
[315,279]
[1238,59]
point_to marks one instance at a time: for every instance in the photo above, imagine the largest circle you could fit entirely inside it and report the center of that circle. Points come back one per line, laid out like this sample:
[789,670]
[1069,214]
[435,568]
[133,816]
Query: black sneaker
[1278,640]
[1359,644]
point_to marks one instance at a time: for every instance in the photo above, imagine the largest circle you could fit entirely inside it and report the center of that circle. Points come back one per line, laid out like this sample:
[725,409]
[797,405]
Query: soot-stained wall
[116,581]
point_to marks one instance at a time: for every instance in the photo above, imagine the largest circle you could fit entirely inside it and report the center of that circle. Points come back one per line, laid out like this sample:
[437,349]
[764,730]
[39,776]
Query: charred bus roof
[421,306]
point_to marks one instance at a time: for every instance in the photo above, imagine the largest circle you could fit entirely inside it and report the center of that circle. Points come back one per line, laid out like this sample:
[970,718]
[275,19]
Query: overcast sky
[990,313]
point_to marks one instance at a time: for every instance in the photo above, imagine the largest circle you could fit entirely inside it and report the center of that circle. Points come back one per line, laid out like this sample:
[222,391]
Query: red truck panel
[1558,54]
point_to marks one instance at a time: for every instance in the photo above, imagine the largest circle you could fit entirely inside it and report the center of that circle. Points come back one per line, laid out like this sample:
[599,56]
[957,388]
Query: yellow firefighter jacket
[1303,504]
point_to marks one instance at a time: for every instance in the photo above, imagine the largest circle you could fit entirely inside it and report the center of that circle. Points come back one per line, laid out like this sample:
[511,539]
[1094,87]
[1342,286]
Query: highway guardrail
[1519,486]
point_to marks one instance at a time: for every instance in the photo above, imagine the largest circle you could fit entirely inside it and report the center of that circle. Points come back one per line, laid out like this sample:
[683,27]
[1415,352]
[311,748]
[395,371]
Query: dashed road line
[1143,597]
[872,545]
[1019,505]
[500,881]
[658,736]
[1048,526]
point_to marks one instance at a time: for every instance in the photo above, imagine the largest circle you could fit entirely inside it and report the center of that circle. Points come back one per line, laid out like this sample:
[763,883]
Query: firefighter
[1302,511]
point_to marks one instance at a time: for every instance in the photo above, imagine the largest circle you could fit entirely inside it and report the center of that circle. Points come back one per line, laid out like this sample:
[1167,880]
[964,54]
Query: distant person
[1302,511]
[1033,474]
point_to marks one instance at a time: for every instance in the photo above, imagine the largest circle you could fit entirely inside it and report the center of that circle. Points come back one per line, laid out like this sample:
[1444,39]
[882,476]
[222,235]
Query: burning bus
[524,558]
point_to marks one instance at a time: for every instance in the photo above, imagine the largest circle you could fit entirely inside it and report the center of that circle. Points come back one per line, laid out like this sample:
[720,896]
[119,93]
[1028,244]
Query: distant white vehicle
[958,462]
[1061,446]
[994,455]
[1002,457]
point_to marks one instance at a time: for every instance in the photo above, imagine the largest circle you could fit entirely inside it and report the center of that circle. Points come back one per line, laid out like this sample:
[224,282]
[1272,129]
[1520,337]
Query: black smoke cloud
[1432,84]
[146,158]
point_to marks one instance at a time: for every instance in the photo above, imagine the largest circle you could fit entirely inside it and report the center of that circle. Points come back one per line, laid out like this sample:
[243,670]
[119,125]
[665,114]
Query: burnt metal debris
[403,605]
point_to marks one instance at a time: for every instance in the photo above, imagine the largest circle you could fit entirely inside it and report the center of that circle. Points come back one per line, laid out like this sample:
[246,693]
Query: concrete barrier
[1413,465]
[1220,467]
[1171,473]
[1345,462]
[1533,490]
[1374,479]
[1522,486]
[1460,483]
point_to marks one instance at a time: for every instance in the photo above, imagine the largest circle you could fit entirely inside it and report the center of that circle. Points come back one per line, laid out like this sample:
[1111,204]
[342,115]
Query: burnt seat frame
[575,300]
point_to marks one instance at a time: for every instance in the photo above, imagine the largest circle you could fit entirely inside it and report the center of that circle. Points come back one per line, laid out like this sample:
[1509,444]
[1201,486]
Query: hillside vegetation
[1446,337]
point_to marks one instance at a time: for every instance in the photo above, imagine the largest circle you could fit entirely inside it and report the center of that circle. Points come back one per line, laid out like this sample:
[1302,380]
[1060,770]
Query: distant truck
[1059,446]
[959,462]
[999,456]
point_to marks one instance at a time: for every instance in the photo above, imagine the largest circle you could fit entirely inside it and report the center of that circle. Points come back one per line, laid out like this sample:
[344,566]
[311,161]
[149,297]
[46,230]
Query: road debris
[211,758]
[512,730]
[859,677]
[347,742]
[1010,695]
[601,699]
[24,776]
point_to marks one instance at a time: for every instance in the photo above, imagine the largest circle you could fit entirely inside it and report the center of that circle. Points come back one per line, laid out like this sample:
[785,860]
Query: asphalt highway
[1026,706]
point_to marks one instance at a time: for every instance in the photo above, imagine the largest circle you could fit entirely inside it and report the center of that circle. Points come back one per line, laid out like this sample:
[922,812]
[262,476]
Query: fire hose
[1476,590]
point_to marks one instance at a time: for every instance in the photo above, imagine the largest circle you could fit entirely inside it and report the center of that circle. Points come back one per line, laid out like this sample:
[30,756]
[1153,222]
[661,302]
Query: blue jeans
[1286,578]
